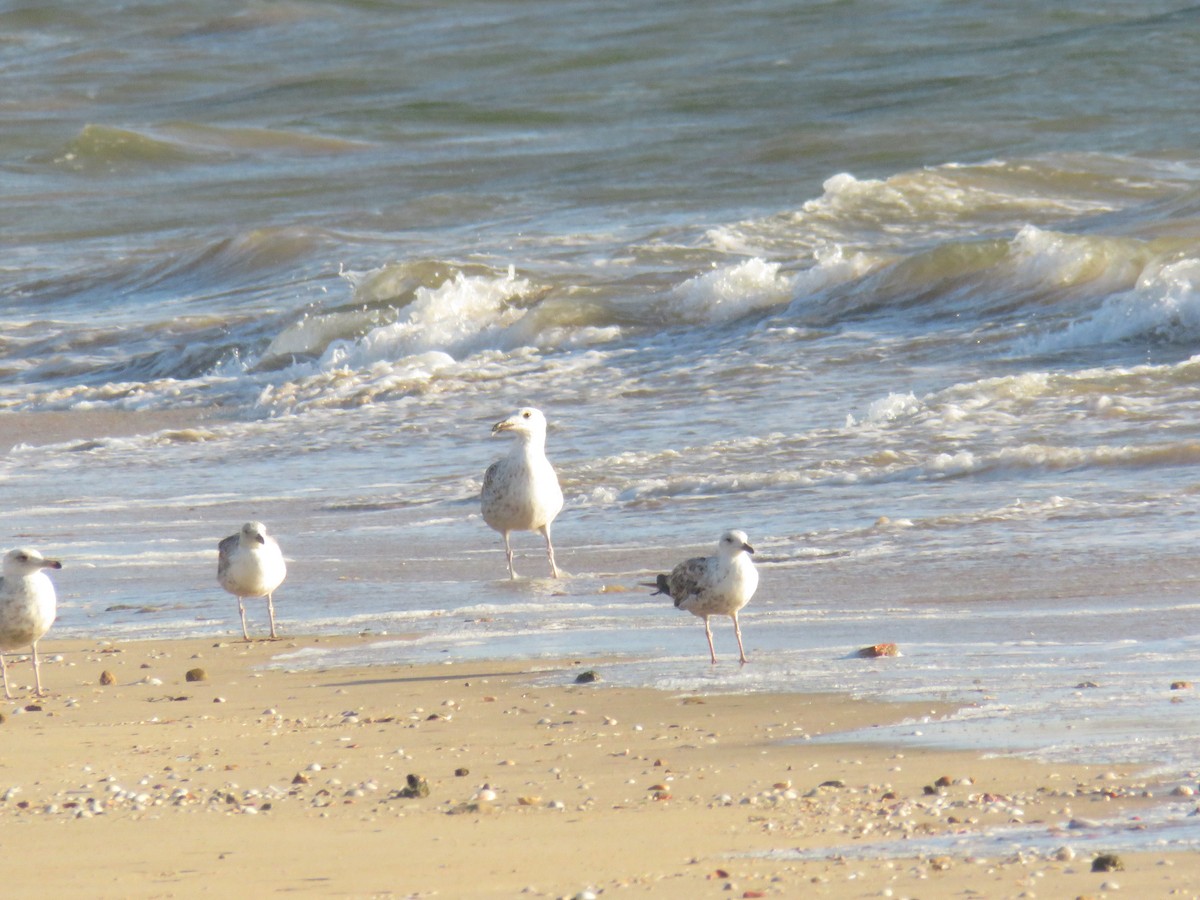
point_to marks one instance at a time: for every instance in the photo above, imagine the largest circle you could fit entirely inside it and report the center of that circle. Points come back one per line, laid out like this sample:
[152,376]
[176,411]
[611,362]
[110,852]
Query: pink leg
[708,634]
[271,613]
[508,555]
[545,530]
[37,672]
[242,613]
[737,630]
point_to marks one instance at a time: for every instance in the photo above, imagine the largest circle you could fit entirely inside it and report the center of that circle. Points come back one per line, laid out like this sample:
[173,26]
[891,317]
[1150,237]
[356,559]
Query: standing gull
[27,607]
[520,491]
[250,564]
[714,585]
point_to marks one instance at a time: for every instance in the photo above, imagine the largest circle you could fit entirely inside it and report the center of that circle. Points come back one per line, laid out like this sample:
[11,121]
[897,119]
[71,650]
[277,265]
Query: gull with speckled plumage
[718,585]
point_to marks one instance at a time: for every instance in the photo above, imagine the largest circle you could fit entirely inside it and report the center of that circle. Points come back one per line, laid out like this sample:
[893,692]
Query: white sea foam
[454,318]
[731,292]
[1163,305]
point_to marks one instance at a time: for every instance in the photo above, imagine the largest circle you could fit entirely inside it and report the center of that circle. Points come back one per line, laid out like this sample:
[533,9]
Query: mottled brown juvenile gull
[250,564]
[27,607]
[520,491]
[714,585]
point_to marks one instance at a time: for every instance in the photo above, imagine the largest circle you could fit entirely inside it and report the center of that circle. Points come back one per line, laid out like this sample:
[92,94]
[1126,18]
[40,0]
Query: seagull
[714,585]
[250,564]
[520,491]
[27,607]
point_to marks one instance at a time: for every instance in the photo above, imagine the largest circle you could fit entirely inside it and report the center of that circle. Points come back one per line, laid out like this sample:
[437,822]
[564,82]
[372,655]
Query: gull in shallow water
[520,491]
[714,585]
[27,607]
[250,564]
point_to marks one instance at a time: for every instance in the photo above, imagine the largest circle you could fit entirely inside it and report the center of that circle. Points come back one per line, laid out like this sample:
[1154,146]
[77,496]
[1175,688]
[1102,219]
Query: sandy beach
[463,780]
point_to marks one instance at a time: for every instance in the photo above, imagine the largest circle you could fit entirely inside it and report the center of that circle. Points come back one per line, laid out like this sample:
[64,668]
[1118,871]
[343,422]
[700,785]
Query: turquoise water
[907,292]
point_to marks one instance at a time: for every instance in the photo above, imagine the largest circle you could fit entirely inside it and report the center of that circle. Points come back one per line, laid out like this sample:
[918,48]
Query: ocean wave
[105,148]
[917,209]
[1162,306]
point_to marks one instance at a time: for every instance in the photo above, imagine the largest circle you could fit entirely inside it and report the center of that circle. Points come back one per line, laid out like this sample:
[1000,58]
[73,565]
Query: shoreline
[298,781]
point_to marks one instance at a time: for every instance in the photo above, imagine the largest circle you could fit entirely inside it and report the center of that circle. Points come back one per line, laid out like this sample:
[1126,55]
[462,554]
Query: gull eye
[526,414]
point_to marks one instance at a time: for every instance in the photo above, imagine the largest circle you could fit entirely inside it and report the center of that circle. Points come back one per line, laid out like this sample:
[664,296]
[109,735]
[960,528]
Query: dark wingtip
[660,583]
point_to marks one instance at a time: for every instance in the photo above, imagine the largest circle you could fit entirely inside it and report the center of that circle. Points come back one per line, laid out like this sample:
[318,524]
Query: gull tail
[660,583]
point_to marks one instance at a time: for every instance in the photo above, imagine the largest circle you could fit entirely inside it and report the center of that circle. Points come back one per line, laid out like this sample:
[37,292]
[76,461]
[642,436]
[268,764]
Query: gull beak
[747,548]
[501,426]
[51,564]
[260,538]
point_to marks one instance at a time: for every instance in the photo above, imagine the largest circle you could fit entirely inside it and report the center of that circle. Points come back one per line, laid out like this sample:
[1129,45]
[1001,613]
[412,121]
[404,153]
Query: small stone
[1064,854]
[462,771]
[300,778]
[417,787]
[107,678]
[1108,862]
[876,650]
[944,781]
[589,677]
[1181,685]
[1083,685]
[196,674]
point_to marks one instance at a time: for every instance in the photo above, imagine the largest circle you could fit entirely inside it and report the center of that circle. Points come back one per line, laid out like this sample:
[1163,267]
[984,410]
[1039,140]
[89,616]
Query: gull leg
[4,670]
[737,630]
[242,612]
[545,530]
[708,634]
[37,673]
[512,573]
[271,613]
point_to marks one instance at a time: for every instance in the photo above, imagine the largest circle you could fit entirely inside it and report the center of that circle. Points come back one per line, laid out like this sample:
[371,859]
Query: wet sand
[266,780]
[37,429]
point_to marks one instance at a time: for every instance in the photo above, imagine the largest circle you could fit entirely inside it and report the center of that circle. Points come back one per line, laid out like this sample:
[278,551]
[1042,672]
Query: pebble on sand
[107,677]
[196,675]
[876,650]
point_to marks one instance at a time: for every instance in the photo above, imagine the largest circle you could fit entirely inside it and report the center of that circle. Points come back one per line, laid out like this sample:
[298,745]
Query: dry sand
[260,781]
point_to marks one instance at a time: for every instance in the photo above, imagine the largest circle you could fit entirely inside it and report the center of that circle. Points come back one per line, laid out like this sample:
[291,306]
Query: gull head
[526,422]
[732,543]
[253,533]
[22,562]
